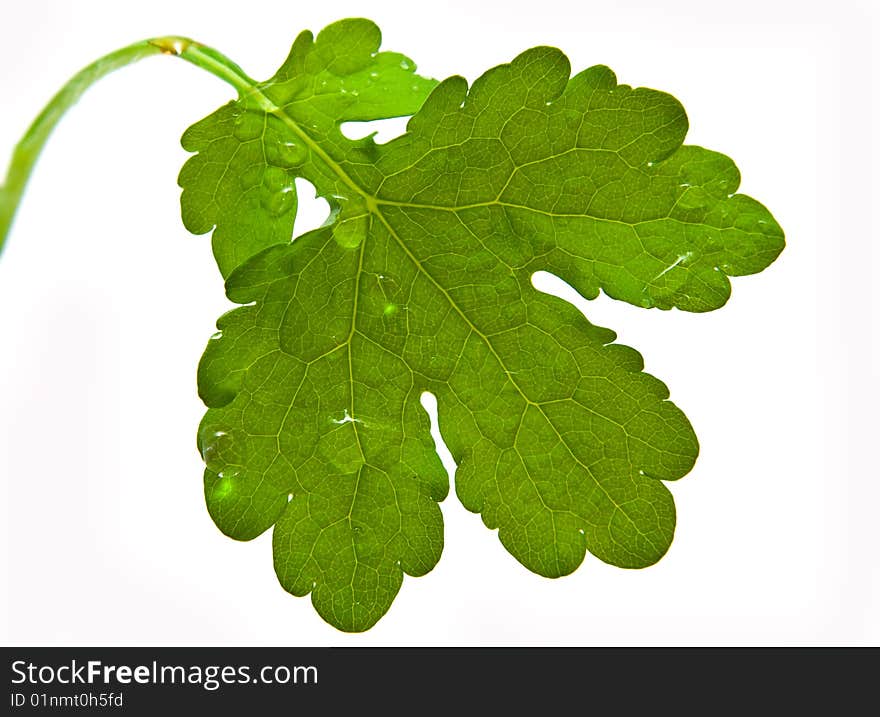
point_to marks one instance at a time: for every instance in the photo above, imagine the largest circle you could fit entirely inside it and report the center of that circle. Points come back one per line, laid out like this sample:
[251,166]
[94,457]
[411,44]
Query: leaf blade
[420,281]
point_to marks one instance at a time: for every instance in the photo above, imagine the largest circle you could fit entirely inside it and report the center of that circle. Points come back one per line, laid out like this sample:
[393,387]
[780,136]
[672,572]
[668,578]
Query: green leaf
[420,281]
[242,179]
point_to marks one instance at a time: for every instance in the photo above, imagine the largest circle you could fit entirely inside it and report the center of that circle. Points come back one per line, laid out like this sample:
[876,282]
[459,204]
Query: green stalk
[26,152]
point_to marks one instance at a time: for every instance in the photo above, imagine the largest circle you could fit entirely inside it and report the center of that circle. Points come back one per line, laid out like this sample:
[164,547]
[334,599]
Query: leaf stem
[28,149]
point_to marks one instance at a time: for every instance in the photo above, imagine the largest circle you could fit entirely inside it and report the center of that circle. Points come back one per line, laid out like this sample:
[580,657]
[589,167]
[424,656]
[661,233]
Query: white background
[106,304]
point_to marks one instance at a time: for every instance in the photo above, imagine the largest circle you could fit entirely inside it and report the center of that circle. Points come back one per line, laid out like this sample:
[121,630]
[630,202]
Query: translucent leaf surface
[420,281]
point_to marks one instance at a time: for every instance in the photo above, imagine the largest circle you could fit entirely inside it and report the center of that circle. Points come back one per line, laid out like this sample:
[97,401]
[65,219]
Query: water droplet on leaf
[349,233]
[248,126]
[285,154]
[223,487]
[276,178]
[279,202]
